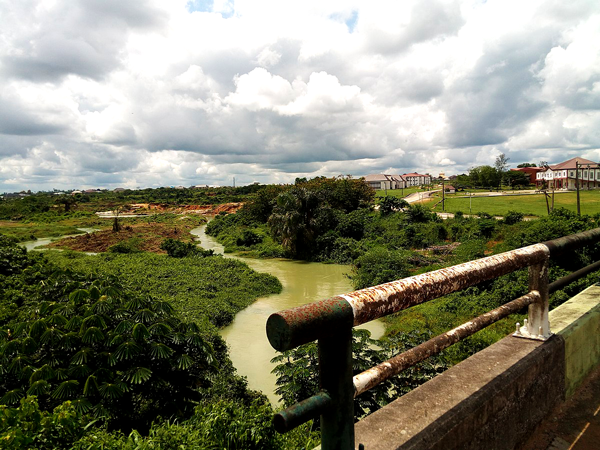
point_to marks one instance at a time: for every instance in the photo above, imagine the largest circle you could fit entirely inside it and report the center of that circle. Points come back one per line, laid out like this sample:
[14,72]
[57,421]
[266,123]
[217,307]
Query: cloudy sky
[113,93]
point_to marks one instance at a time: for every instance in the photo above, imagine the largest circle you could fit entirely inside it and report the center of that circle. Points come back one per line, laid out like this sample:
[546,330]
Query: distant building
[450,189]
[530,171]
[383,181]
[416,179]
[564,176]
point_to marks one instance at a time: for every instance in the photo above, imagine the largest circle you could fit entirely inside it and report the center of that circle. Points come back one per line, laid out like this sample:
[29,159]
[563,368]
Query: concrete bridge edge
[498,396]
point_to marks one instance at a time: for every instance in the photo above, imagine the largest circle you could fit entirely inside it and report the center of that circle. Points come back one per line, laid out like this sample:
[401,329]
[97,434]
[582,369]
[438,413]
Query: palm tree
[293,219]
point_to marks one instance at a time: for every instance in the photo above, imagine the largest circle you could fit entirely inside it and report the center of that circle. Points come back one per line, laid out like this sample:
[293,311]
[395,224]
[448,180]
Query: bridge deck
[573,425]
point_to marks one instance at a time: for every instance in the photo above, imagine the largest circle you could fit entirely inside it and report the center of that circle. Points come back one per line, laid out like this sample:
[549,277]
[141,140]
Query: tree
[516,178]
[501,163]
[67,201]
[388,205]
[486,176]
[293,221]
[298,371]
[522,165]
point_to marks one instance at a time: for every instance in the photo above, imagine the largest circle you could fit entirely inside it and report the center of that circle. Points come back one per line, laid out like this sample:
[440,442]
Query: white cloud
[159,93]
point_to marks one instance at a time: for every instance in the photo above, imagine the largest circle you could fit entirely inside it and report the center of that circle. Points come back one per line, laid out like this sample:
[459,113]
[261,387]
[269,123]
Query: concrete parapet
[578,322]
[495,398]
[491,400]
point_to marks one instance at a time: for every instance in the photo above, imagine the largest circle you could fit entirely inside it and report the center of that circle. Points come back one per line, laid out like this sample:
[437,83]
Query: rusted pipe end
[293,327]
[301,412]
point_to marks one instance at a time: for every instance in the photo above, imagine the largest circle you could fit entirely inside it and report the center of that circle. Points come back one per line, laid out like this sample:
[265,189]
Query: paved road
[419,196]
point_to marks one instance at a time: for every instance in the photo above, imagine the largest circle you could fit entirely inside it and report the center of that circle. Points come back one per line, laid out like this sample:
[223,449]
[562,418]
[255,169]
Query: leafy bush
[249,238]
[26,426]
[122,357]
[379,265]
[129,246]
[179,249]
[388,205]
[513,217]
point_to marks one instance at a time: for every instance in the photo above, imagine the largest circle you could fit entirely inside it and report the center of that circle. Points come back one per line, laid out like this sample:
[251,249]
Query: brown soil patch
[147,237]
[490,247]
[208,210]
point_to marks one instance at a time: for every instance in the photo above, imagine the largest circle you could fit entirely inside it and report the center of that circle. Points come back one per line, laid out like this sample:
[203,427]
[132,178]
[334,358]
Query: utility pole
[577,185]
[470,201]
[443,196]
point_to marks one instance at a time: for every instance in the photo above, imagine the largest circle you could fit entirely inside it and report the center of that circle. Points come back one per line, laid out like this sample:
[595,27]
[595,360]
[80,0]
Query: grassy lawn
[531,205]
[400,192]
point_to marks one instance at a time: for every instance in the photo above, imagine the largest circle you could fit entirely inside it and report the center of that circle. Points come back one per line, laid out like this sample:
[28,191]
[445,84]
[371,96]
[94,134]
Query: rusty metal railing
[331,321]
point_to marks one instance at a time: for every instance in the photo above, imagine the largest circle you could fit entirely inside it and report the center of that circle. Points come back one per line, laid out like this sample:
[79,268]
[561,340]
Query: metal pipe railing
[393,366]
[296,326]
[331,321]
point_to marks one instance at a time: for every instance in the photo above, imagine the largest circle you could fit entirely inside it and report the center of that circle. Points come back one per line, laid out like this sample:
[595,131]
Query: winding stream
[302,283]
[30,245]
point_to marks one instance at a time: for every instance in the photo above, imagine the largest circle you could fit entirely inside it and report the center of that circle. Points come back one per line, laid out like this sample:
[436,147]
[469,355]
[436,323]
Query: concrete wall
[497,397]
[578,322]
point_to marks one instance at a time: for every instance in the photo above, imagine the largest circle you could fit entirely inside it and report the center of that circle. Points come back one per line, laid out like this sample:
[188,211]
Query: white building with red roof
[564,175]
[416,179]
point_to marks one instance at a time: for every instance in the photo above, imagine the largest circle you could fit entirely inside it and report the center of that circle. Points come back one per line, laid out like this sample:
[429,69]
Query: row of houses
[565,175]
[384,181]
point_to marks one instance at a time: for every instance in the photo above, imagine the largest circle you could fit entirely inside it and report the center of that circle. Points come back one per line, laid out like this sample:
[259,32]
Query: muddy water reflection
[302,283]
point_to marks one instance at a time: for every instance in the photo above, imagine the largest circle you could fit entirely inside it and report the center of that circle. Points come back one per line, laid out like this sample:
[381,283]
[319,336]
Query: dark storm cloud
[15,120]
[428,20]
[499,95]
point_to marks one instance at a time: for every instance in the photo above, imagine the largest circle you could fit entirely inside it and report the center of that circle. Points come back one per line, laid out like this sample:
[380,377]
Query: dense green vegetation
[86,360]
[120,350]
[302,221]
[298,373]
[207,290]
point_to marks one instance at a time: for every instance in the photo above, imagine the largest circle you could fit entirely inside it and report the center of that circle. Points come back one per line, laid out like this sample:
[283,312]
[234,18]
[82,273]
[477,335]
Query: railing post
[538,326]
[335,367]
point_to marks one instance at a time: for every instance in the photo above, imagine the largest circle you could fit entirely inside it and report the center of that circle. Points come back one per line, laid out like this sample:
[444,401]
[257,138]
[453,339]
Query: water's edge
[302,283]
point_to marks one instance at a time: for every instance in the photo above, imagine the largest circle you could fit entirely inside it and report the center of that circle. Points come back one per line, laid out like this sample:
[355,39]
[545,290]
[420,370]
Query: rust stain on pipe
[378,301]
[393,366]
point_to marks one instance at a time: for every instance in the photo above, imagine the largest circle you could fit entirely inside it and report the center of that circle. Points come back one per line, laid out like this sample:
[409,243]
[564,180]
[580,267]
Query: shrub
[249,238]
[379,265]
[179,249]
[513,217]
[26,426]
[129,246]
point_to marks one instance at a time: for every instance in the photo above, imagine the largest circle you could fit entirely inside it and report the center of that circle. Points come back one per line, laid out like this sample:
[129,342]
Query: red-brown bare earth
[148,236]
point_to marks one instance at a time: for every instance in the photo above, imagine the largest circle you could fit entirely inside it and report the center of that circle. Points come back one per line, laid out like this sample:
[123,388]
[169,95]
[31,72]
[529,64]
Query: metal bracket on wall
[526,333]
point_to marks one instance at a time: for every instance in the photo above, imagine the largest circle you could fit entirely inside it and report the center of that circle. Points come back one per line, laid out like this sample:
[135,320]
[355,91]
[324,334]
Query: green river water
[302,283]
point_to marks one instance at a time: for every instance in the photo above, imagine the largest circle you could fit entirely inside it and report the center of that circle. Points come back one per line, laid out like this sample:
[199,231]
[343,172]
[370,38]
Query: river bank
[302,283]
